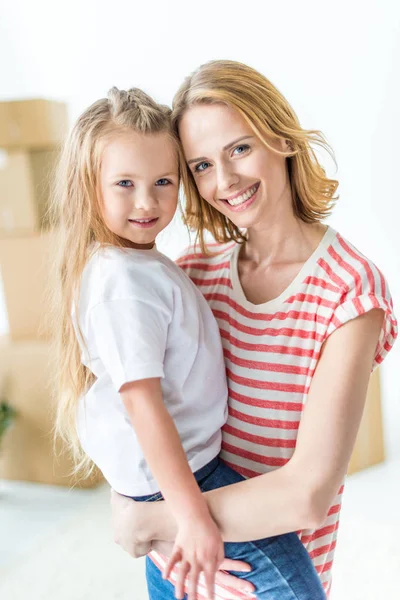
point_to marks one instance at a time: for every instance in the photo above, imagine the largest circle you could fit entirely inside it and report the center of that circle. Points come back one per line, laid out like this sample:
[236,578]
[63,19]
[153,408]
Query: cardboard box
[25,186]
[369,447]
[27,450]
[25,270]
[32,123]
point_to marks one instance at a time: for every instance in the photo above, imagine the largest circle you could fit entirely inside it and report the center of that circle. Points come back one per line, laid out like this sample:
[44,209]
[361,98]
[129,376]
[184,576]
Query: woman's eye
[125,183]
[241,149]
[163,181]
[201,167]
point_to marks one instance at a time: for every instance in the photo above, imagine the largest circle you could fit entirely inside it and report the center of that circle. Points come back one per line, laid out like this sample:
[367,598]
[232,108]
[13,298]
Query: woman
[303,316]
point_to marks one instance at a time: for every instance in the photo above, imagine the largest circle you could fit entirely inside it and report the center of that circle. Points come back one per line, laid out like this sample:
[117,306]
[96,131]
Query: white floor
[55,544]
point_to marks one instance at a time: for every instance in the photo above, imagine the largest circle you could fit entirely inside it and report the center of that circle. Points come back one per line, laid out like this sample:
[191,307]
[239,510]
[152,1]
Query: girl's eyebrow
[133,176]
[227,147]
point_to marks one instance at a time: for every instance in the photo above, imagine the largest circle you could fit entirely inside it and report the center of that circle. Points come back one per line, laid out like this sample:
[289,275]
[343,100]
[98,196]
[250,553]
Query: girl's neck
[128,244]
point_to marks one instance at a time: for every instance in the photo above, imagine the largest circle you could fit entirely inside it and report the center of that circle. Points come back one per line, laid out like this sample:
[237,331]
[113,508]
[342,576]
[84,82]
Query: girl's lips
[144,224]
[245,204]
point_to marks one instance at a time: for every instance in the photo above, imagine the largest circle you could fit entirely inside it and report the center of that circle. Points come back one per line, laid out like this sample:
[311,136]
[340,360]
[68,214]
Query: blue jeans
[281,566]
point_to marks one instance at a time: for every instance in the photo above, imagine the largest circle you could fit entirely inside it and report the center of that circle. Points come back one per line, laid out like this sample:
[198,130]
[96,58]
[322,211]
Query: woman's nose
[226,178]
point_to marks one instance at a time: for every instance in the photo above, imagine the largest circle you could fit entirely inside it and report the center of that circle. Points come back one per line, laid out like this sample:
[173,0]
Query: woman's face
[233,170]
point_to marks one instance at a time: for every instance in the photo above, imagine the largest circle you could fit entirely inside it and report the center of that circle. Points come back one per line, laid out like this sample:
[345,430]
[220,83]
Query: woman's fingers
[230,581]
[228,564]
[183,570]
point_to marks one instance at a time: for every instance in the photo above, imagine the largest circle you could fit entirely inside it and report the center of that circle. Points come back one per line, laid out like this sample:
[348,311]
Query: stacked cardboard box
[369,449]
[31,133]
[28,451]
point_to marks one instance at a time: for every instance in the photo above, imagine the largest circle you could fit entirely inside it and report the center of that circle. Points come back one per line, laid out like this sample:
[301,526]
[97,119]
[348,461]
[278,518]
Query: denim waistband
[199,476]
[207,469]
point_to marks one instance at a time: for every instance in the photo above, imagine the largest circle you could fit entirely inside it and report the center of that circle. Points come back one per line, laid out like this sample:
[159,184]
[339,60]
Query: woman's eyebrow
[227,147]
[244,137]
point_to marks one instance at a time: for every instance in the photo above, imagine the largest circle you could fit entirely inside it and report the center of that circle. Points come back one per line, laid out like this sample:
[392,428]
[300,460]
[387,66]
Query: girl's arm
[298,495]
[162,448]
[198,545]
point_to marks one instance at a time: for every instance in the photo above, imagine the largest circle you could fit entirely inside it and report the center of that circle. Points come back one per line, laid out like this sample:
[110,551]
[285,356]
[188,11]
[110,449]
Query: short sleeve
[130,337]
[352,308]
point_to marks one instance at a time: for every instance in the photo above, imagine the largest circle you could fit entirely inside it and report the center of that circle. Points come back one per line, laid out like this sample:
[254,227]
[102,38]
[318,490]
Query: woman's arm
[298,495]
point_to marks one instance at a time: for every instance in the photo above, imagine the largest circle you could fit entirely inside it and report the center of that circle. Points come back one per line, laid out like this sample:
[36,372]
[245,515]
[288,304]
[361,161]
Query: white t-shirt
[141,317]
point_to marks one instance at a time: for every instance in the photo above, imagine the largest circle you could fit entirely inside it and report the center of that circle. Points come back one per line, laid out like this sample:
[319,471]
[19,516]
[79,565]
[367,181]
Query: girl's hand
[133,529]
[198,549]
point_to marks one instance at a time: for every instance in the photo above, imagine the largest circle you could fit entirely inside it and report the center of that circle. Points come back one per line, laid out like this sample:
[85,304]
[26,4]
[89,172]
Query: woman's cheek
[205,189]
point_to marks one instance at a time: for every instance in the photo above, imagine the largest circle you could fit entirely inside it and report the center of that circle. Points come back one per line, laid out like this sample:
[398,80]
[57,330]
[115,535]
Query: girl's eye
[201,167]
[163,181]
[241,149]
[125,183]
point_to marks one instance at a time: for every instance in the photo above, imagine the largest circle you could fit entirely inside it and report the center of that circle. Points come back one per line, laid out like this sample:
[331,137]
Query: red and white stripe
[271,355]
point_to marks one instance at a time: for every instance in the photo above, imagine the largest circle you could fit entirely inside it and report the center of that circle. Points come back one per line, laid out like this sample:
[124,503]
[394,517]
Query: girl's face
[233,170]
[139,181]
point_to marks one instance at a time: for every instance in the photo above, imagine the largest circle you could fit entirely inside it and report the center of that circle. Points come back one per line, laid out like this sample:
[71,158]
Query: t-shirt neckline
[291,289]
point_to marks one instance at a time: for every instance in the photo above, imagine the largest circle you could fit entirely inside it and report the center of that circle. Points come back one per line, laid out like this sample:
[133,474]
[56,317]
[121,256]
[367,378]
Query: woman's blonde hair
[271,117]
[76,214]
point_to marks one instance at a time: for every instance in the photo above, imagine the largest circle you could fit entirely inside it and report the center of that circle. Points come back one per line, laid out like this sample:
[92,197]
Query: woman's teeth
[243,197]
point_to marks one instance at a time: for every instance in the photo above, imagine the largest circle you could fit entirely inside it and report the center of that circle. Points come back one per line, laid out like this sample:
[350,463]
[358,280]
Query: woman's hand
[137,525]
[131,525]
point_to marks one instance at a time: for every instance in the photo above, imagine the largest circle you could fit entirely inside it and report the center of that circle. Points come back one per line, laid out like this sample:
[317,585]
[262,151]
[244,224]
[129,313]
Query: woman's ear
[288,146]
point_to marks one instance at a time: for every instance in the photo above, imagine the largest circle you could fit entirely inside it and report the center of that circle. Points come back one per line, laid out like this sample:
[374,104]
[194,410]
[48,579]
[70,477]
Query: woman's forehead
[209,125]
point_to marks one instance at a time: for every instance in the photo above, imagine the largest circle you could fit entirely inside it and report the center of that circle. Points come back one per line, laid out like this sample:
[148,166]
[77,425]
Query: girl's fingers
[175,557]
[209,577]
[183,570]
[192,583]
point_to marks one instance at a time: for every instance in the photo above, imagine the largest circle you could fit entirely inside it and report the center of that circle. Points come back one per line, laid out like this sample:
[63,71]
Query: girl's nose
[145,200]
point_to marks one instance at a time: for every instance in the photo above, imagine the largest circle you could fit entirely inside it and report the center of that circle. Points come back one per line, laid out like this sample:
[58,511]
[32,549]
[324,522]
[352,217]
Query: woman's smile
[243,200]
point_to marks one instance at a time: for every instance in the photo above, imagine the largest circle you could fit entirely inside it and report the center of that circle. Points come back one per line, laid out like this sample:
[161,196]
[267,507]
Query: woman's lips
[245,203]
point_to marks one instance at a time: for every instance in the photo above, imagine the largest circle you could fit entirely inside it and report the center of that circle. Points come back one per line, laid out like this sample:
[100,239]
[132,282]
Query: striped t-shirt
[271,352]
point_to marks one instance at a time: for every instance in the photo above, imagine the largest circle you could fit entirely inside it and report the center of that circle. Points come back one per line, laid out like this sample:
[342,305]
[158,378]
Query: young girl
[144,392]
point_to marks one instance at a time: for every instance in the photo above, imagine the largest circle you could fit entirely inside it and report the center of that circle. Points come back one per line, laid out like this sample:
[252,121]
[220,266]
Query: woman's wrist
[160,522]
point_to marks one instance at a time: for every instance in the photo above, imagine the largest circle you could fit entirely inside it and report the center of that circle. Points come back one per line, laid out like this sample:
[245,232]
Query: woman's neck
[281,240]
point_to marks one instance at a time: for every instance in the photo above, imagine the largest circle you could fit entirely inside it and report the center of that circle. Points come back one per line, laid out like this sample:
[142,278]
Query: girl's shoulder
[116,273]
[111,261]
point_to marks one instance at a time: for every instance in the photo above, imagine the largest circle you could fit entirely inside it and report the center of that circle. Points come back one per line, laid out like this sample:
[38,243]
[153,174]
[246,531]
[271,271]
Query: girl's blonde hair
[77,216]
[271,117]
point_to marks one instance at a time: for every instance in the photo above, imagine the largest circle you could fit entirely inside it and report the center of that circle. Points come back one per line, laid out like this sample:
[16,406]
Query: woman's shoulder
[362,286]
[217,256]
[345,266]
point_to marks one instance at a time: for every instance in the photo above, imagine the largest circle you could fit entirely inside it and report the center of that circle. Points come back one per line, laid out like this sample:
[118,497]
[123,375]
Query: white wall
[336,62]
